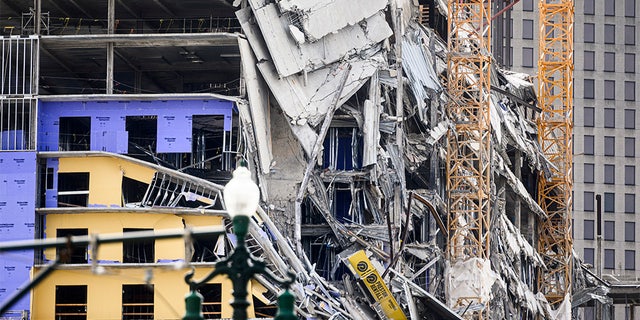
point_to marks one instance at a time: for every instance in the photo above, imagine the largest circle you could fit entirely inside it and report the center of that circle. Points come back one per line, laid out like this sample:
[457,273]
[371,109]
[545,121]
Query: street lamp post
[241,197]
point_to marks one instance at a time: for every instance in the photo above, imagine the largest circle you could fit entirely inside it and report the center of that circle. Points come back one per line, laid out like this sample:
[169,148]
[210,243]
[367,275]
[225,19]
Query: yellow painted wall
[105,176]
[98,223]
[104,292]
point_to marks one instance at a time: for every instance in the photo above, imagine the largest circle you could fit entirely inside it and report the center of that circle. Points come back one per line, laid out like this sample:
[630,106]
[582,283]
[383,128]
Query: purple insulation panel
[17,220]
[108,122]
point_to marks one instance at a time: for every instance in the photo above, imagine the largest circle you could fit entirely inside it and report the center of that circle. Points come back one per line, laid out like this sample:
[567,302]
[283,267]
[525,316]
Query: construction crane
[555,128]
[469,142]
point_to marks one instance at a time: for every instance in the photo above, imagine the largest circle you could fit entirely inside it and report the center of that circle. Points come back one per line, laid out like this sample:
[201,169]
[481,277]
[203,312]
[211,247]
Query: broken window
[629,203]
[77,254]
[210,142]
[265,311]
[75,134]
[71,302]
[138,251]
[205,249]
[137,301]
[73,189]
[609,258]
[629,259]
[143,134]
[133,191]
[211,300]
[342,149]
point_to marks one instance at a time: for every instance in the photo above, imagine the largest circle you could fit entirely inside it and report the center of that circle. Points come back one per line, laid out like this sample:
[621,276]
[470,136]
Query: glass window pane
[609,230]
[589,116]
[609,90]
[609,202]
[609,258]
[527,57]
[630,8]
[629,119]
[588,173]
[588,145]
[629,62]
[609,146]
[630,231]
[629,259]
[609,61]
[609,174]
[609,33]
[527,29]
[630,175]
[588,229]
[589,88]
[589,32]
[527,5]
[609,118]
[609,8]
[588,255]
[630,91]
[588,201]
[629,147]
[589,60]
[629,35]
[629,203]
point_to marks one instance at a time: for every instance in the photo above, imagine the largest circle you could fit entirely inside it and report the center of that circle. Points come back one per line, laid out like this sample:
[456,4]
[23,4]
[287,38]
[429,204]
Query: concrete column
[111,14]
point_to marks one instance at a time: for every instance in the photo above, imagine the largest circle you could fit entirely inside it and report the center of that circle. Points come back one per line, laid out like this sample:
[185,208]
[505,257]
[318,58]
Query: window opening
[212,300]
[138,251]
[133,192]
[143,134]
[75,134]
[77,254]
[73,189]
[71,302]
[137,301]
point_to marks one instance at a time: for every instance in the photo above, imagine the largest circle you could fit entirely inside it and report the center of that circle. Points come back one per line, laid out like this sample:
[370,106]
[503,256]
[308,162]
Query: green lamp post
[241,197]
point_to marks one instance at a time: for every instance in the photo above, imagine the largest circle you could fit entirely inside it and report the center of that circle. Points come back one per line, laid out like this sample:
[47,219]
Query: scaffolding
[555,128]
[469,142]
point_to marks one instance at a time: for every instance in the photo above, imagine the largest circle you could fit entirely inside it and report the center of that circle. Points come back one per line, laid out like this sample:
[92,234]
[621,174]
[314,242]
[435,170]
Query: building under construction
[405,172]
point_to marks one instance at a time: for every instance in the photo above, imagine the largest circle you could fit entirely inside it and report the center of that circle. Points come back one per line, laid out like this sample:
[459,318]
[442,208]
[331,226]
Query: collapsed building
[341,114]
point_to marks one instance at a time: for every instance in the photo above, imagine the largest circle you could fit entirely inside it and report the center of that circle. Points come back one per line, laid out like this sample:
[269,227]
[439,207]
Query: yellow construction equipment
[555,127]
[469,144]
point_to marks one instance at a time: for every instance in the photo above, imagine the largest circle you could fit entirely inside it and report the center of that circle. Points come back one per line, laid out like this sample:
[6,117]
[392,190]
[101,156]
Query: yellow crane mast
[555,128]
[469,142]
